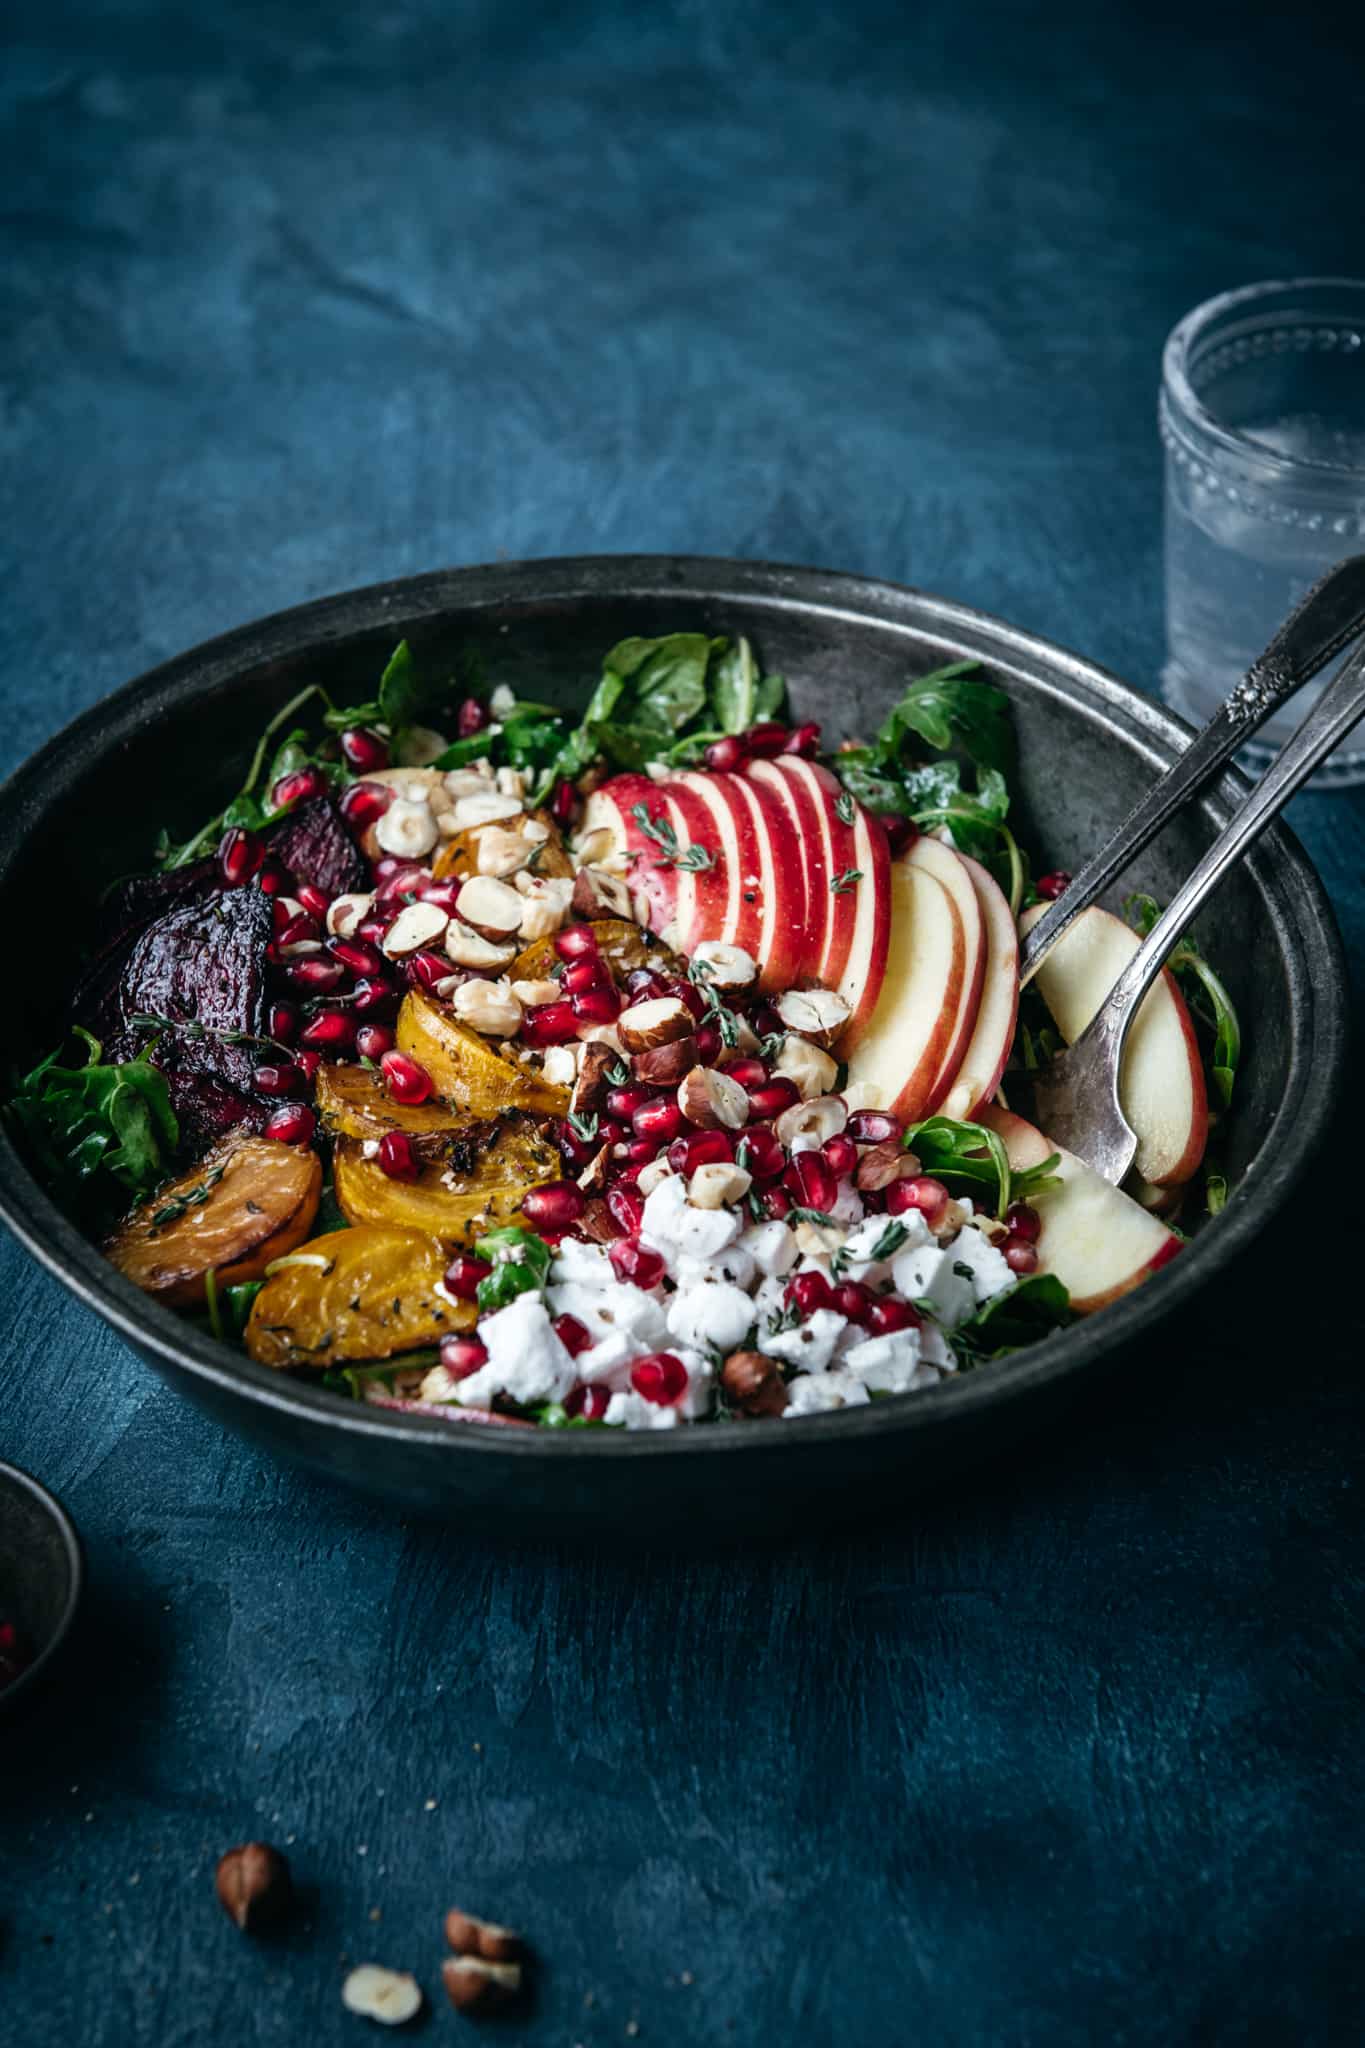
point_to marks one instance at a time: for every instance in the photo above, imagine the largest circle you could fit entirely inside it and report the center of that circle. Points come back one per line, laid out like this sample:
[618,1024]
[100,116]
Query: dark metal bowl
[41,1574]
[169,747]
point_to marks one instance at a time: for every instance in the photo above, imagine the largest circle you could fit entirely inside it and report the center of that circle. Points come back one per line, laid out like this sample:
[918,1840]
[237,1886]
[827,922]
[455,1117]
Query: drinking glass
[1263,418]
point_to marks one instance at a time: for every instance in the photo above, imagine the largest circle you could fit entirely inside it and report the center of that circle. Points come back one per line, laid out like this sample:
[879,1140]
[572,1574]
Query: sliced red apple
[1098,1243]
[944,864]
[801,805]
[774,889]
[897,1059]
[1161,1079]
[864,974]
[653,889]
[831,844]
[983,1062]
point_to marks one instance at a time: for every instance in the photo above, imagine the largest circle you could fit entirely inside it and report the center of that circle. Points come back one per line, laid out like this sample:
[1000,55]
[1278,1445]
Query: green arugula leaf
[1204,991]
[973,1157]
[1030,1309]
[400,695]
[952,707]
[97,1133]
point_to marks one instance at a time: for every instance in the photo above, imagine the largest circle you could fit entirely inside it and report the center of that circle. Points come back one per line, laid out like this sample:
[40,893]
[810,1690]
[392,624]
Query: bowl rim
[15,1477]
[1278,865]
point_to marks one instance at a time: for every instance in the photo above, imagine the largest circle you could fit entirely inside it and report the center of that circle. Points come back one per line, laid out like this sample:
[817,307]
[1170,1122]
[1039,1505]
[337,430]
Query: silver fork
[1076,1097]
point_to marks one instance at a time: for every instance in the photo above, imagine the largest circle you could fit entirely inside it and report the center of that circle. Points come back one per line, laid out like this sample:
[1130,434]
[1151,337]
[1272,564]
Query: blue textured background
[302,298]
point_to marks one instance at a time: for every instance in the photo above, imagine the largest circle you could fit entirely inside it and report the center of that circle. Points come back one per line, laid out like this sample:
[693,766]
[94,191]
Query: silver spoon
[1076,1096]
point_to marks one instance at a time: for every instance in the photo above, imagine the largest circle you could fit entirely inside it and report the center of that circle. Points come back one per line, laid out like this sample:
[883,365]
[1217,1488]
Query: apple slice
[803,806]
[830,844]
[983,1062]
[779,883]
[1161,1079]
[1098,1242]
[944,864]
[653,889]
[898,1057]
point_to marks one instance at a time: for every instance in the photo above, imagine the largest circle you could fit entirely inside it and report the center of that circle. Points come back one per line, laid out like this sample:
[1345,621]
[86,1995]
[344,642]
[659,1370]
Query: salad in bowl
[642,1069]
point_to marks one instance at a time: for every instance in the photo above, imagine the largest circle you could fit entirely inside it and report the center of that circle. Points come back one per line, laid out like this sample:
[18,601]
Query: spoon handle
[1327,619]
[1340,706]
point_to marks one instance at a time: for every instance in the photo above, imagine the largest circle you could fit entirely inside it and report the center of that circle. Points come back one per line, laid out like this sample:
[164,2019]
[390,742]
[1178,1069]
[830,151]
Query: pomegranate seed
[686,992]
[372,1041]
[549,1024]
[773,1097]
[284,1022]
[639,1151]
[442,894]
[396,1156]
[767,739]
[576,942]
[726,756]
[700,1148]
[316,974]
[357,955]
[364,749]
[626,1206]
[329,1031]
[364,803]
[372,995]
[283,911]
[573,1335]
[660,1119]
[554,1206]
[589,972]
[308,1063]
[805,740]
[776,1203]
[597,1006]
[841,1155]
[463,1274]
[403,879]
[589,1402]
[623,1102]
[315,901]
[278,1080]
[373,927]
[661,1378]
[564,803]
[627,1177]
[810,1182]
[574,1150]
[872,1127]
[425,968]
[749,1073]
[1020,1255]
[462,1356]
[406,1080]
[240,854]
[901,833]
[761,1153]
[767,1023]
[636,1262]
[272,880]
[643,984]
[293,1124]
[471,717]
[807,1292]
[888,1313]
[709,1043]
[298,788]
[1023,1222]
[930,1197]
[296,930]
[1050,887]
[855,1301]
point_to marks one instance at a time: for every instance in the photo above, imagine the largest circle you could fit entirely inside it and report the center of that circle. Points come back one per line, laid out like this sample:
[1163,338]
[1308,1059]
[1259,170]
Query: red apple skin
[781,945]
[838,853]
[702,899]
[1027,1146]
[863,976]
[901,1052]
[653,889]
[728,833]
[947,867]
[804,808]
[988,1051]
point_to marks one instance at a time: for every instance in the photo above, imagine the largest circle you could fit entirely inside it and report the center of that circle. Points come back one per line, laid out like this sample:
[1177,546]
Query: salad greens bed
[102,1136]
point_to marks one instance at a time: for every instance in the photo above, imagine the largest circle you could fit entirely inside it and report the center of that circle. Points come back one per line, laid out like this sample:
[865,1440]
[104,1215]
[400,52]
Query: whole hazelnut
[473,1985]
[470,1936]
[254,1886]
[753,1383]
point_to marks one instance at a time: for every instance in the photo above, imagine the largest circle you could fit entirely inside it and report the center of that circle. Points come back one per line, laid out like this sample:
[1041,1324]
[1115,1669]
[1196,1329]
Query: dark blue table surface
[302,298]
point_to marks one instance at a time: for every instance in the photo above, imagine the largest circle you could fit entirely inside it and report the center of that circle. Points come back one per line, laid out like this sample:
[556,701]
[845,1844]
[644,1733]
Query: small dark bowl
[169,748]
[42,1572]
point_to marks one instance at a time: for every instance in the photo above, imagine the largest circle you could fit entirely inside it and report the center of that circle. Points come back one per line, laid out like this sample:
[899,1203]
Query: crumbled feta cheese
[926,1275]
[816,1394]
[768,1298]
[610,1359]
[628,1410]
[811,1345]
[848,1204]
[990,1269]
[664,1205]
[885,1365]
[934,1349]
[526,1361]
[587,1264]
[733,1264]
[702,1233]
[714,1313]
[771,1246]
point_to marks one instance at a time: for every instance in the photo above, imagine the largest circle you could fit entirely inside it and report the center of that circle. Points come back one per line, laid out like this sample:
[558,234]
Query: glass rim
[1179,395]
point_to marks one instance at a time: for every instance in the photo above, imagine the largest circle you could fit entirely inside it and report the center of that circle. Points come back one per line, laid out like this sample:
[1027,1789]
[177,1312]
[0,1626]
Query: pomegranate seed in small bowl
[240,854]
[638,1263]
[554,1206]
[462,1356]
[576,1337]
[372,1041]
[298,788]
[407,1081]
[396,1156]
[292,1124]
[927,1195]
[365,750]
[661,1377]
[463,1274]
[364,803]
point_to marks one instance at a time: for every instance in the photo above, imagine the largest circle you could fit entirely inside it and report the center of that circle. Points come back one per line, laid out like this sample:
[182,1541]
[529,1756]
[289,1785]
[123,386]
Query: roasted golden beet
[247,1202]
[354,1103]
[460,854]
[465,1069]
[475,1182]
[623,945]
[352,1294]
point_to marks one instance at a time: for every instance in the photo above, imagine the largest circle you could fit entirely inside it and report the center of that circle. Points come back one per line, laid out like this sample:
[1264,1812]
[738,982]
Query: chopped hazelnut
[753,1383]
[254,1885]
